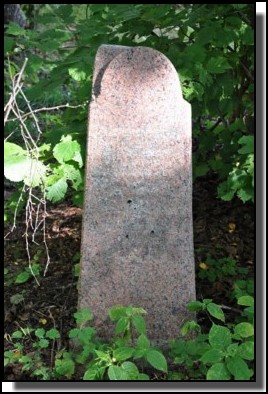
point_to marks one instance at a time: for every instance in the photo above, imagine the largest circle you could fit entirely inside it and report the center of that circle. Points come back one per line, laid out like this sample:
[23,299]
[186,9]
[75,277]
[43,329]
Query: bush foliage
[210,45]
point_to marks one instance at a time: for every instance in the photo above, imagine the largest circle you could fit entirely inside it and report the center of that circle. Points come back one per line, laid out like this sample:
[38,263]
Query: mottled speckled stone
[137,245]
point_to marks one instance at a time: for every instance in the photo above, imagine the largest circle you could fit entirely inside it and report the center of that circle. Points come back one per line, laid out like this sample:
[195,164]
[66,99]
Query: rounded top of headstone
[141,80]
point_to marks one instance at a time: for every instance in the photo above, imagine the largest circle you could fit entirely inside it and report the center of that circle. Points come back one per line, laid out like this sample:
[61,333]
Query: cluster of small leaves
[32,362]
[240,180]
[20,167]
[101,360]
[118,361]
[220,269]
[226,352]
[211,46]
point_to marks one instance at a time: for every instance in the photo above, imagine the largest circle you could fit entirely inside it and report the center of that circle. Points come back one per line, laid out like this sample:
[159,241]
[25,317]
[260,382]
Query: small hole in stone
[129,201]
[127,236]
[152,232]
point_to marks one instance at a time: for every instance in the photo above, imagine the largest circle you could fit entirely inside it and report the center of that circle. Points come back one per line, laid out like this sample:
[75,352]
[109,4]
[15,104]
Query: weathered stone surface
[137,245]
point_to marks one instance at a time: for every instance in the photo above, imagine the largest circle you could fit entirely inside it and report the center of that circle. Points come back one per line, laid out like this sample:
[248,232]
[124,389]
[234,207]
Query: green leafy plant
[219,269]
[225,353]
[116,360]
[61,63]
[28,273]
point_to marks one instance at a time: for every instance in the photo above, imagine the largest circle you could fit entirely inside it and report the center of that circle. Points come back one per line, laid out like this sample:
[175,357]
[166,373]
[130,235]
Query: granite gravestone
[137,241]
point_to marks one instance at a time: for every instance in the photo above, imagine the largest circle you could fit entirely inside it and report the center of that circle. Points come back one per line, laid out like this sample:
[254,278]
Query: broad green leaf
[23,277]
[53,334]
[218,371]
[92,373]
[43,343]
[117,373]
[238,367]
[103,356]
[201,170]
[185,329]
[191,347]
[212,356]
[139,324]
[25,359]
[217,65]
[82,357]
[66,150]
[246,300]
[73,174]
[157,360]
[219,337]
[40,332]
[130,368]
[77,74]
[232,349]
[14,157]
[190,325]
[15,30]
[207,301]
[57,191]
[122,325]
[143,342]
[244,330]
[123,353]
[16,334]
[18,166]
[85,335]
[248,144]
[83,316]
[205,35]
[194,306]
[74,332]
[245,195]
[225,191]
[36,173]
[116,312]
[131,311]
[216,311]
[246,350]
[65,367]
[143,376]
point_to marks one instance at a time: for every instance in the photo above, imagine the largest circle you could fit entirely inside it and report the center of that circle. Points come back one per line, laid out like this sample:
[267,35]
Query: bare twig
[33,217]
[231,308]
[44,234]
[46,109]
[15,91]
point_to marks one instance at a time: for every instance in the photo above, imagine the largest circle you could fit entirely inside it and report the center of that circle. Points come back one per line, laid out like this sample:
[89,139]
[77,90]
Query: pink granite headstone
[137,246]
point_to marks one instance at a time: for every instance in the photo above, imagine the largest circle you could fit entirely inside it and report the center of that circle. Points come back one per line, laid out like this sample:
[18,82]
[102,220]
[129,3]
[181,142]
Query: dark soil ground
[221,229]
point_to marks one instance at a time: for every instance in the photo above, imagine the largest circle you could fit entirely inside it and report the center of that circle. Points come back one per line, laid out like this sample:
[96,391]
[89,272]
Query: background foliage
[49,58]
[211,46]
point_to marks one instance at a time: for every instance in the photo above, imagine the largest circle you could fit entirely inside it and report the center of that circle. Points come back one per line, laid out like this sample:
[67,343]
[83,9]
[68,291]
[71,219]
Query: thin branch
[44,232]
[231,309]
[44,109]
[33,217]
[8,106]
